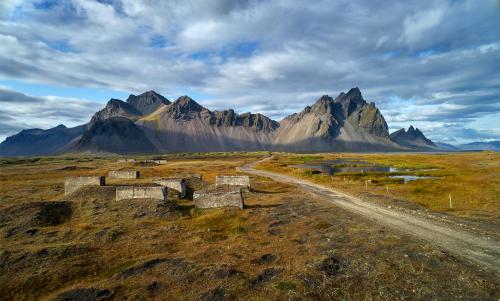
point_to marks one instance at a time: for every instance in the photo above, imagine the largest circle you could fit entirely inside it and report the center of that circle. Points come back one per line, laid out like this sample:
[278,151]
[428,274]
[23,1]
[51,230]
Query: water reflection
[409,178]
[328,169]
[331,167]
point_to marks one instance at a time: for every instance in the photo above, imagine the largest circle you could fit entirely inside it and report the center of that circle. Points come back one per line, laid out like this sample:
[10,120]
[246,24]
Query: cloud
[420,61]
[421,24]
[19,111]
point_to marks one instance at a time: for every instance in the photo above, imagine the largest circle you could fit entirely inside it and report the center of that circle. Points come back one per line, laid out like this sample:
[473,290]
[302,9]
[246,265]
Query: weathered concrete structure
[141,192]
[126,160]
[243,181]
[123,174]
[72,184]
[159,162]
[175,184]
[219,197]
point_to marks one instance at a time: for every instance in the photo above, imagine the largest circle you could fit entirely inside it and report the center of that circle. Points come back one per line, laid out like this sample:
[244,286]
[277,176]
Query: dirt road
[478,250]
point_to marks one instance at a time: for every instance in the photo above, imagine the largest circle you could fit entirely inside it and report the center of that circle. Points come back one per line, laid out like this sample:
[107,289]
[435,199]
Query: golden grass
[472,179]
[105,239]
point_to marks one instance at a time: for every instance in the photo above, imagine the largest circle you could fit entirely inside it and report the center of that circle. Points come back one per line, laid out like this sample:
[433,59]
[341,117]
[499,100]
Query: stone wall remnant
[123,174]
[175,184]
[243,181]
[71,184]
[219,197]
[141,192]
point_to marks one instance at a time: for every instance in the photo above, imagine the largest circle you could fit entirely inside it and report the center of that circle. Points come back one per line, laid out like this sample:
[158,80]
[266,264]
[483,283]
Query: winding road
[476,249]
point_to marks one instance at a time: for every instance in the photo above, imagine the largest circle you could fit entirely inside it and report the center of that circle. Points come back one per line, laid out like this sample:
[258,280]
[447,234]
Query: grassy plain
[285,244]
[471,179]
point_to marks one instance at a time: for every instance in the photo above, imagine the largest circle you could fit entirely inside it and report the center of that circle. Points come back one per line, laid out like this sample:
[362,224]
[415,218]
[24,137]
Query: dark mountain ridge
[150,123]
[38,142]
[147,102]
[413,138]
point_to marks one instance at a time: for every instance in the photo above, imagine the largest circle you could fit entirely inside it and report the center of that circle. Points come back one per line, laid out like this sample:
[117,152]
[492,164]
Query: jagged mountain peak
[187,104]
[350,101]
[147,102]
[412,138]
[321,106]
[257,121]
[115,107]
[354,93]
[345,122]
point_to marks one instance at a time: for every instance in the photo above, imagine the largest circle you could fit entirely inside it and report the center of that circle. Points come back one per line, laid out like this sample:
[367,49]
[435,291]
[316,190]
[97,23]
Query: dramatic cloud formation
[19,111]
[433,64]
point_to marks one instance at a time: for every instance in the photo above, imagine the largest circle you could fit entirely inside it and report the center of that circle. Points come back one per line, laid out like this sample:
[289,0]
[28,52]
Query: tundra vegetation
[285,244]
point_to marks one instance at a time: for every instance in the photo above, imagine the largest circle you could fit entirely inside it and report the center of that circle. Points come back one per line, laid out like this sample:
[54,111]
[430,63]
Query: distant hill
[491,145]
[150,123]
[38,142]
[414,139]
[446,146]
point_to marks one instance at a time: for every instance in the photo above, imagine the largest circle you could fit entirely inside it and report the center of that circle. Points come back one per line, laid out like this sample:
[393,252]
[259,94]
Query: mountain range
[150,123]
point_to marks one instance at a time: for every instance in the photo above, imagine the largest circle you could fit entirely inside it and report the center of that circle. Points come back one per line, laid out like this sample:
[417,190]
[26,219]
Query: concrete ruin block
[243,181]
[126,160]
[141,192]
[72,184]
[161,162]
[175,184]
[123,174]
[219,197]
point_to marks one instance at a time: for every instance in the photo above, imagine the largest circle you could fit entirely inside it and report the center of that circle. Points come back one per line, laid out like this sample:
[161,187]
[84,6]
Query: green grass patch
[285,285]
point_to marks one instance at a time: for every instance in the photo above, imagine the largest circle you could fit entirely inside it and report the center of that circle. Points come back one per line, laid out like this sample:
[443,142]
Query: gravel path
[485,252]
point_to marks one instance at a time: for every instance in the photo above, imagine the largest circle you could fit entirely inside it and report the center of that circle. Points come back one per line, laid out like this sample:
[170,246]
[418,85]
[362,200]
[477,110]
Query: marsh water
[409,178]
[331,167]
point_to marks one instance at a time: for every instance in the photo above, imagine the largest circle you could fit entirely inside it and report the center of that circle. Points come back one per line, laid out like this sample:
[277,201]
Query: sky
[431,64]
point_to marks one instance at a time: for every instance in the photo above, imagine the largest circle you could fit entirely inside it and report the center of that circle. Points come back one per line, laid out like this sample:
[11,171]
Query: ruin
[72,184]
[141,192]
[243,181]
[159,162]
[219,197]
[126,160]
[175,184]
[123,174]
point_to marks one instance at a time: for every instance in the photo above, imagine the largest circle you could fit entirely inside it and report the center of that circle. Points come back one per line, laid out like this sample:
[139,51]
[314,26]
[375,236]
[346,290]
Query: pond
[409,178]
[331,167]
[330,170]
